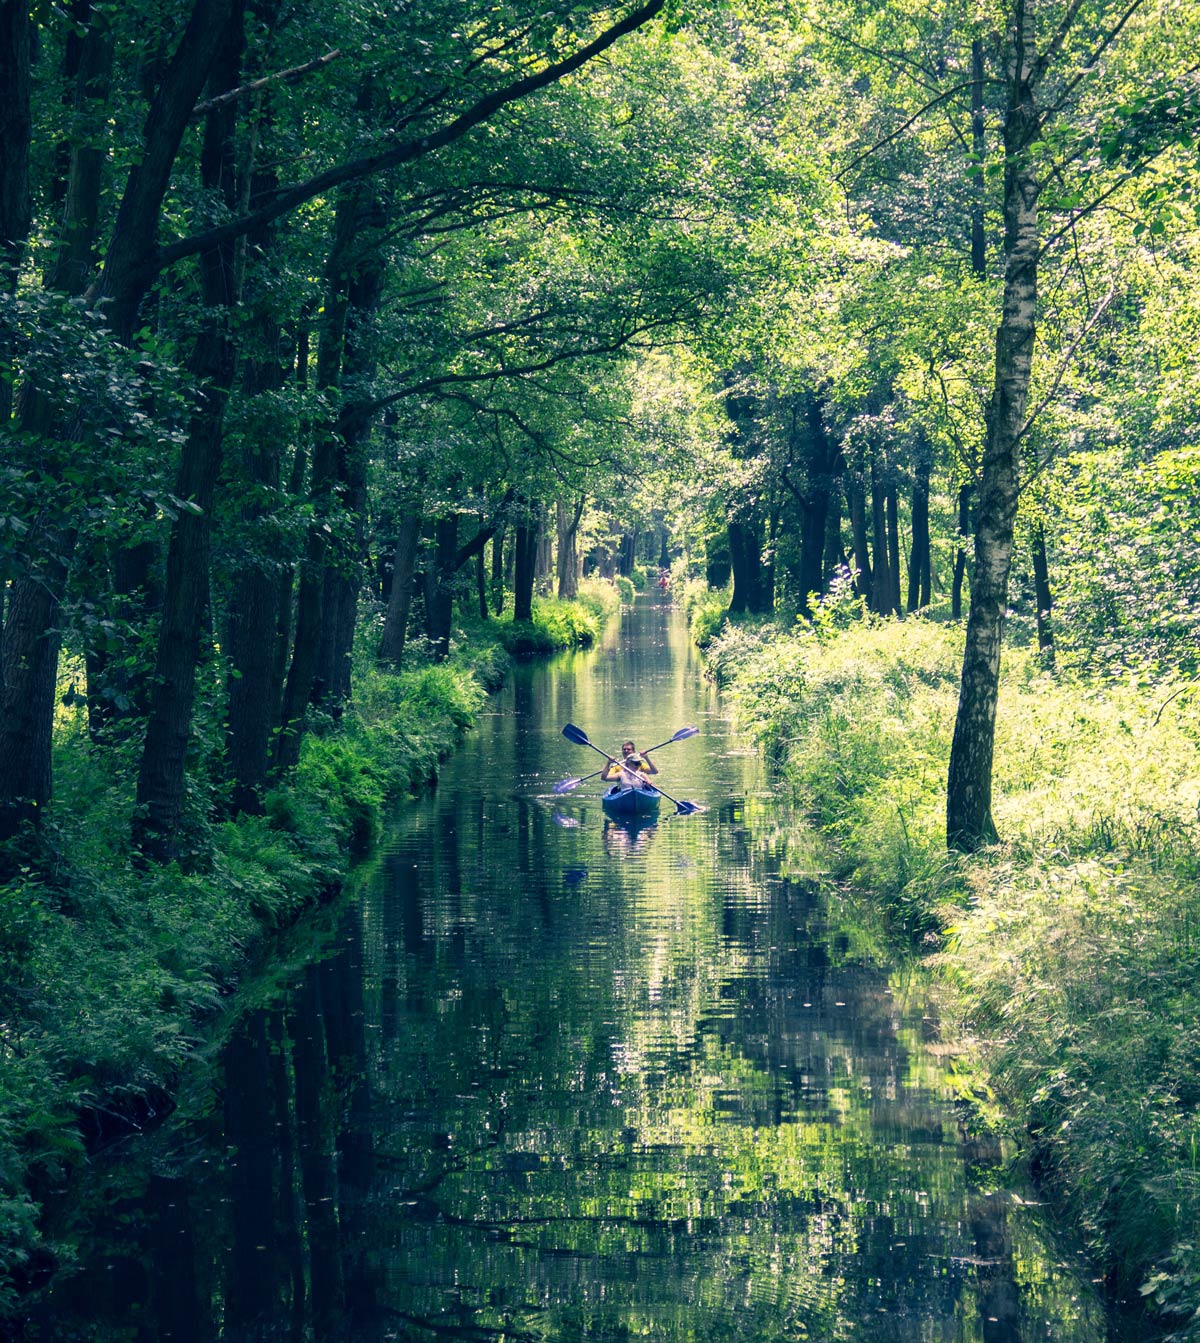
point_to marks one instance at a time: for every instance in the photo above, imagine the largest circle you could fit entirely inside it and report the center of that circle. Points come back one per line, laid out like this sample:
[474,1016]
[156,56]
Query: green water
[553,1078]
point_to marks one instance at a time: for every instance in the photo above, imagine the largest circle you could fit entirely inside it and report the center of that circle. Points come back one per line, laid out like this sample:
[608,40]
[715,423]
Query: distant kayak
[626,802]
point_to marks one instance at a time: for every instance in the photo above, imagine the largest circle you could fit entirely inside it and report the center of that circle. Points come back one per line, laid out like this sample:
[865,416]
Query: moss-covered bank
[111,973]
[1068,955]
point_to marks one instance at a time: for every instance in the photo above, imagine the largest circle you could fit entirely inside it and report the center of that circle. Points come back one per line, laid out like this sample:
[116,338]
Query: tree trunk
[893,531]
[16,127]
[745,553]
[323,481]
[286,589]
[395,623]
[129,259]
[881,579]
[161,775]
[856,499]
[919,556]
[31,636]
[1045,600]
[481,584]
[568,552]
[525,548]
[439,588]
[969,822]
[31,642]
[498,571]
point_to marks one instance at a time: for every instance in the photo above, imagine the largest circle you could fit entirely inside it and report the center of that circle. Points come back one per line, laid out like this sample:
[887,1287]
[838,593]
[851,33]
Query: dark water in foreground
[555,1079]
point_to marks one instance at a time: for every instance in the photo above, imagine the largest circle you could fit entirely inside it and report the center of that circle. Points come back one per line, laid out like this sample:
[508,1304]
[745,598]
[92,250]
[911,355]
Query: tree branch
[290,198]
[1084,331]
[899,131]
[232,95]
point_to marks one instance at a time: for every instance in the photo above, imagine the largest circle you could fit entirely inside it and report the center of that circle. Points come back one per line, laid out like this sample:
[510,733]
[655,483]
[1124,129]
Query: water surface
[555,1078]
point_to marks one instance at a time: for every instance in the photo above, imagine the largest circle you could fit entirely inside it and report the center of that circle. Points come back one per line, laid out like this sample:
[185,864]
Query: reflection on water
[565,1078]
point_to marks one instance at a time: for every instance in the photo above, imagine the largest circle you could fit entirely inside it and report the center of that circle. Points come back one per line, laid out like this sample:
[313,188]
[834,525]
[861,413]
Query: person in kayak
[633,769]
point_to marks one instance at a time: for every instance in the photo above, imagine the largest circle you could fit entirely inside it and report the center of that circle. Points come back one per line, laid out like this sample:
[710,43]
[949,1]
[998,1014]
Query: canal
[546,1077]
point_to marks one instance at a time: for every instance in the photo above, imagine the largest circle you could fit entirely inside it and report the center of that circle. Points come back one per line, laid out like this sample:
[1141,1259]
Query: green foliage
[555,625]
[639,577]
[625,587]
[707,610]
[1070,955]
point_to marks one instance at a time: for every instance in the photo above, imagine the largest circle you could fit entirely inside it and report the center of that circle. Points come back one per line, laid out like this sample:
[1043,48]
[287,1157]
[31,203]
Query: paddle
[566,785]
[580,738]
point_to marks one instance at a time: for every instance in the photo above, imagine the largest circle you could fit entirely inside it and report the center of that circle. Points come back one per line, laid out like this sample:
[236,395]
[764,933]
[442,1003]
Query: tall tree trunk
[857,503]
[161,775]
[286,590]
[893,531]
[881,579]
[978,199]
[525,552]
[568,553]
[16,126]
[31,634]
[969,822]
[498,571]
[919,556]
[835,551]
[745,553]
[439,589]
[31,643]
[323,481]
[1045,599]
[395,623]
[252,687]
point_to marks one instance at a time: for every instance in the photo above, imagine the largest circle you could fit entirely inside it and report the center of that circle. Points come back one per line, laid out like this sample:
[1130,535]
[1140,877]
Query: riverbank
[1068,955]
[111,973]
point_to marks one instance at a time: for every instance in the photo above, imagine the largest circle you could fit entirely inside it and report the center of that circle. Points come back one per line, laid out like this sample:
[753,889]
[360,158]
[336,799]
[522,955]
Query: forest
[350,350]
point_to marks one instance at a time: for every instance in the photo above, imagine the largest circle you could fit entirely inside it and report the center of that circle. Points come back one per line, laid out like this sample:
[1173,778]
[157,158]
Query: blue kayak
[626,802]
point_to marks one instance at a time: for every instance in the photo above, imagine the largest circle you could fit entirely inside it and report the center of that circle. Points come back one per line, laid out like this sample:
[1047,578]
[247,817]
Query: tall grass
[1069,954]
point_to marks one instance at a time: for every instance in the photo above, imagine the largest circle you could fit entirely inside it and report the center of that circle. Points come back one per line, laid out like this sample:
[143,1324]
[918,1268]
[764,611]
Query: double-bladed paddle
[580,738]
[567,785]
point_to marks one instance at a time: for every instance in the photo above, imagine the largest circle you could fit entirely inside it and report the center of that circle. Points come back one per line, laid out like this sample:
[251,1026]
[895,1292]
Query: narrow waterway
[554,1078]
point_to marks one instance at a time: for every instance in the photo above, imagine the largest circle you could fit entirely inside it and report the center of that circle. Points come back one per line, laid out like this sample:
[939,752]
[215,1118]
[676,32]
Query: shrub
[555,625]
[707,609]
[626,589]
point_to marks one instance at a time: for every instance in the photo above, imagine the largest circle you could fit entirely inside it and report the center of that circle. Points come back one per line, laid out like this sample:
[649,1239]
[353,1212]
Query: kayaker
[633,768]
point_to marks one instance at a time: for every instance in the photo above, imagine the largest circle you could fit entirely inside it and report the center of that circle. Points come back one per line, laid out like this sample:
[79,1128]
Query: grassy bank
[111,972]
[1069,954]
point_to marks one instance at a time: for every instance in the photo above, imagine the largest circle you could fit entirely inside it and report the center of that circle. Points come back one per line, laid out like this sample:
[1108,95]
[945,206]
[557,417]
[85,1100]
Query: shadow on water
[560,1077]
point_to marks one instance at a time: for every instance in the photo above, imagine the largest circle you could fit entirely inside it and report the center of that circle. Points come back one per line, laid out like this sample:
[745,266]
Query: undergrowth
[1069,954]
[559,624]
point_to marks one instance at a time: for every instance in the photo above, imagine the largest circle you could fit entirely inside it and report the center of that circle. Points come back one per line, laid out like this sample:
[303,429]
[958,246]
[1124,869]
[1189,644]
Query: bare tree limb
[244,90]
[1065,363]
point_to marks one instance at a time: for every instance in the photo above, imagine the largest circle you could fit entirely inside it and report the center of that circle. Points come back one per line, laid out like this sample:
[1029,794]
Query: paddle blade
[565,785]
[576,734]
[685,732]
[687,808]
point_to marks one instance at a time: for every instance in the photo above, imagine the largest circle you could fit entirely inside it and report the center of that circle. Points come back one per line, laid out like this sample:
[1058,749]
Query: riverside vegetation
[113,973]
[1068,956]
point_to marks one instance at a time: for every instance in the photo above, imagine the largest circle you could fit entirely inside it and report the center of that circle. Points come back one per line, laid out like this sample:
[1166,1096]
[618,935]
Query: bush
[626,589]
[707,610]
[555,625]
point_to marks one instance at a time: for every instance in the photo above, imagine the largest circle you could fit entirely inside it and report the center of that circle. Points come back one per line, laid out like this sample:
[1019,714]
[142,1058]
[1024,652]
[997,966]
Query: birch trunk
[969,823]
